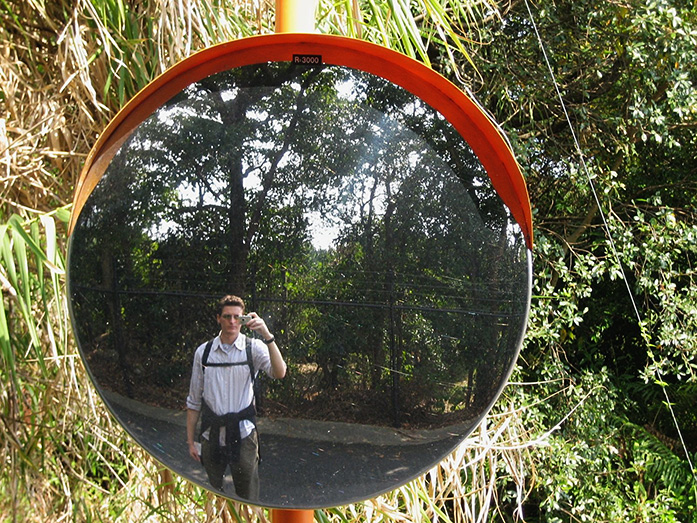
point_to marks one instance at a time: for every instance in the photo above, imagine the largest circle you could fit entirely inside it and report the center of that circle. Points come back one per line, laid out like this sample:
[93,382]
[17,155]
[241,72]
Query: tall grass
[50,460]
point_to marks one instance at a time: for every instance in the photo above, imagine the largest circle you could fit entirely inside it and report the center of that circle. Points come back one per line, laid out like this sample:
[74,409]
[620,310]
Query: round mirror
[347,194]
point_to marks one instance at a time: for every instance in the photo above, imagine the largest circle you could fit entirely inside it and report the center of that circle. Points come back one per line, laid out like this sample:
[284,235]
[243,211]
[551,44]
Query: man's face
[228,320]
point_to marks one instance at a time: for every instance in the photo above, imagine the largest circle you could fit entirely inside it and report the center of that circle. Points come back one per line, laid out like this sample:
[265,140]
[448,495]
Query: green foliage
[594,464]
[45,442]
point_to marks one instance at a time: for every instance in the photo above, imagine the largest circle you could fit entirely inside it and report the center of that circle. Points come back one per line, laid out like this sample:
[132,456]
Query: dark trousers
[244,472]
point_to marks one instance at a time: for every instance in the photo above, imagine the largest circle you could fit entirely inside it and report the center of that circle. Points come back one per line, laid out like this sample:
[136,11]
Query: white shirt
[227,389]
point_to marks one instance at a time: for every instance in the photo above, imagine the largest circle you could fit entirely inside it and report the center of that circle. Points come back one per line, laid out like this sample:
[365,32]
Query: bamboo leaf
[18,227]
[8,358]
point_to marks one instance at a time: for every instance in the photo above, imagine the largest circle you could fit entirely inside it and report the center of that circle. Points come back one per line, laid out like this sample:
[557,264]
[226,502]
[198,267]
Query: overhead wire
[606,228]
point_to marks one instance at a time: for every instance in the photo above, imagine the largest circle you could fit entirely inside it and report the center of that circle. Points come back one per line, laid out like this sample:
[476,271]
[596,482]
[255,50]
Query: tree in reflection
[351,214]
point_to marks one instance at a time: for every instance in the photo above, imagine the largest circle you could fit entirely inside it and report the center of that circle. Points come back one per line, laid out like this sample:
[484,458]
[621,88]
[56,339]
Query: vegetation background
[599,420]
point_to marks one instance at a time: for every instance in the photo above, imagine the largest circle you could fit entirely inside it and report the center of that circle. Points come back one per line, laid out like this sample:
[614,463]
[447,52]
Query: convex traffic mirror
[364,207]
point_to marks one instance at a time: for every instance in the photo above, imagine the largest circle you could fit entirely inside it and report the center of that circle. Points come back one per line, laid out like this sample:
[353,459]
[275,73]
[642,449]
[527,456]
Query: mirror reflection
[361,232]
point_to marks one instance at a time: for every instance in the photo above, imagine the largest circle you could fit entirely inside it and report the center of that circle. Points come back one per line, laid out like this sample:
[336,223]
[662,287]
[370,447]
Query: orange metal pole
[294,16]
[292,516]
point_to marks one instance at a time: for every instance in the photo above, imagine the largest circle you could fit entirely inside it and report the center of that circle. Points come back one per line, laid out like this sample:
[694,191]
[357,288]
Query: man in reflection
[221,394]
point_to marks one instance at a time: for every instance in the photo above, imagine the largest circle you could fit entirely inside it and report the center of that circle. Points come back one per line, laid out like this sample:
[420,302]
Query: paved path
[305,464]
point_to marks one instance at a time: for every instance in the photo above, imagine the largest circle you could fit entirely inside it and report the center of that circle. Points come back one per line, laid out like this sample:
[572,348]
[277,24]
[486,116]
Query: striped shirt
[227,389]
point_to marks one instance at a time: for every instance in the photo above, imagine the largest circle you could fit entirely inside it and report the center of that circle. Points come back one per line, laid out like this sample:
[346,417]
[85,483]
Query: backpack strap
[249,362]
[206,353]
